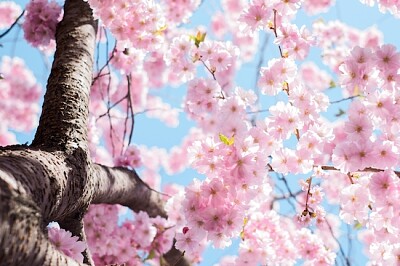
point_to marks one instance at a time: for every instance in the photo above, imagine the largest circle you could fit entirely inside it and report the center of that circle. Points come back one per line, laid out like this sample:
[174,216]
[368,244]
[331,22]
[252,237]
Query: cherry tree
[277,176]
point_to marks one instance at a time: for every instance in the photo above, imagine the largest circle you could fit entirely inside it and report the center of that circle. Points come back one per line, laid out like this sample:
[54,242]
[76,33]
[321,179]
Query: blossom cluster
[230,203]
[274,77]
[295,42]
[261,14]
[9,12]
[228,22]
[179,11]
[131,241]
[279,241]
[218,58]
[19,95]
[211,206]
[314,7]
[314,77]
[40,23]
[372,202]
[127,60]
[373,74]
[369,68]
[136,24]
[391,6]
[336,39]
[131,158]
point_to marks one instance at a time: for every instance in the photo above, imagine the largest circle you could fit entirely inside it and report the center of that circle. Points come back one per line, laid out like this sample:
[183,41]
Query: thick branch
[22,235]
[63,123]
[56,183]
[174,257]
[117,185]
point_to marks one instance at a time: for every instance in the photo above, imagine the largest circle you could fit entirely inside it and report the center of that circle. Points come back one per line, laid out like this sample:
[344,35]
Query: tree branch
[174,257]
[117,185]
[367,169]
[22,225]
[63,123]
[12,25]
[56,183]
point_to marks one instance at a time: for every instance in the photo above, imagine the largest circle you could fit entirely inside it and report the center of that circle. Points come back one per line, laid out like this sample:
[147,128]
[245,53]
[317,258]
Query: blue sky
[147,131]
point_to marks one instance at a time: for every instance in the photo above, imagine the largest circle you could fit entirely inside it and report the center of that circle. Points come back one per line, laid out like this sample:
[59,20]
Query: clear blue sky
[147,131]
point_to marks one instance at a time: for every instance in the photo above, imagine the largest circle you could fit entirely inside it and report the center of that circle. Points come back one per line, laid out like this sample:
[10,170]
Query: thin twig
[132,114]
[127,112]
[258,111]
[258,68]
[345,99]
[367,169]
[309,181]
[208,69]
[282,178]
[106,64]
[276,33]
[111,107]
[338,242]
[12,25]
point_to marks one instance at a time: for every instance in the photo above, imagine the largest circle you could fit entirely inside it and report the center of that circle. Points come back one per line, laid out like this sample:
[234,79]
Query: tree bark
[122,186]
[54,179]
[63,123]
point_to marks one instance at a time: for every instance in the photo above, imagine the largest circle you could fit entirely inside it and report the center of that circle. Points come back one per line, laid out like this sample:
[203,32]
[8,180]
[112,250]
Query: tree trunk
[54,178]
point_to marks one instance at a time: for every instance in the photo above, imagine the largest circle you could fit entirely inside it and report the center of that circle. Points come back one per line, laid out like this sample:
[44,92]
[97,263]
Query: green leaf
[199,38]
[245,221]
[357,225]
[163,261]
[332,84]
[242,235]
[340,113]
[152,255]
[160,30]
[226,140]
[356,90]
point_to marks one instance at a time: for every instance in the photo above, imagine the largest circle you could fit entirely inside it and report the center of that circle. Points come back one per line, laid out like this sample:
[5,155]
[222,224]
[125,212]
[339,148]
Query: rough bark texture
[27,179]
[122,186]
[63,123]
[54,178]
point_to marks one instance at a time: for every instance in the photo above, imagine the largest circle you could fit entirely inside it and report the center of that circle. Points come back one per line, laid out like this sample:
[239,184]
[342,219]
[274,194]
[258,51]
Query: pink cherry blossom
[354,203]
[40,23]
[313,7]
[20,88]
[9,13]
[314,77]
[387,57]
[190,241]
[256,16]
[66,243]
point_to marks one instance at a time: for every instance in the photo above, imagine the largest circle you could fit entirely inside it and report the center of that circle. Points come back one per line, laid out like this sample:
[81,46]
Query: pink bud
[185,230]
